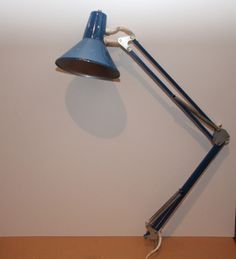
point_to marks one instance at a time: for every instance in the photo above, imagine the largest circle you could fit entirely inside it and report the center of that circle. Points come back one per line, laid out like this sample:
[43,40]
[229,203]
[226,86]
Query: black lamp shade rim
[87,68]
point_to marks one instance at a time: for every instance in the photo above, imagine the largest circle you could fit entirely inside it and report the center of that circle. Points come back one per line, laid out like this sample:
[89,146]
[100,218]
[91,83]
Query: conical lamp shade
[90,56]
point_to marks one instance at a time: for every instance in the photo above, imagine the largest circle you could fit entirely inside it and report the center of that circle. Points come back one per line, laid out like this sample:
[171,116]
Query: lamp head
[90,56]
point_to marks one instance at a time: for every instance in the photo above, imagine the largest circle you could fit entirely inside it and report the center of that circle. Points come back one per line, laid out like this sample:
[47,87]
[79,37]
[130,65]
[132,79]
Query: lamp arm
[203,118]
[169,78]
[218,138]
[160,218]
[171,95]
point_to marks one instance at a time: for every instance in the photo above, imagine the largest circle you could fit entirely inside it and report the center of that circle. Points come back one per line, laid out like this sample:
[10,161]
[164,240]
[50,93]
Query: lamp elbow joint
[221,137]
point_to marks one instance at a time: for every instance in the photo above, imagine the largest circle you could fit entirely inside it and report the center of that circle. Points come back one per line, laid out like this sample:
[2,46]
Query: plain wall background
[81,156]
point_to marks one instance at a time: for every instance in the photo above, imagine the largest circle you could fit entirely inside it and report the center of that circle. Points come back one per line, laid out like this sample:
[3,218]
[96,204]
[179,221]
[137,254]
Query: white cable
[118,29]
[156,248]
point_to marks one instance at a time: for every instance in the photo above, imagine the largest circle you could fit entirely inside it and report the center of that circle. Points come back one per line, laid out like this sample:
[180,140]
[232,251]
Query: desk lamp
[91,58]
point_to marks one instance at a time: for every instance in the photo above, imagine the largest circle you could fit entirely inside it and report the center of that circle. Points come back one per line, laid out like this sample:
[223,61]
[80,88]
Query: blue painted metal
[194,119]
[165,212]
[96,26]
[151,74]
[174,83]
[200,169]
[90,56]
[171,95]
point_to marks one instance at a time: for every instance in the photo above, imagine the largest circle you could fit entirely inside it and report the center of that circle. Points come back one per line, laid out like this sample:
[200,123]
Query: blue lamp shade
[90,56]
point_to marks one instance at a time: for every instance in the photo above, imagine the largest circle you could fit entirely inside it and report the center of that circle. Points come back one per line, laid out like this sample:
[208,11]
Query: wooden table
[115,248]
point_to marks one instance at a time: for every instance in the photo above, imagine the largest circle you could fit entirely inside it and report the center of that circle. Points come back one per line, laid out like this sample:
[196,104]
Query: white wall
[90,157]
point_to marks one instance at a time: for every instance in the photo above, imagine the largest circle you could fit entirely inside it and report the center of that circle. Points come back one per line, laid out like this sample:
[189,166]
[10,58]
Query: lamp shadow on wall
[96,106]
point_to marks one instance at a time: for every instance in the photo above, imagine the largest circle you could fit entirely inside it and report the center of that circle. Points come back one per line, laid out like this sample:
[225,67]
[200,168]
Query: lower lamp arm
[158,220]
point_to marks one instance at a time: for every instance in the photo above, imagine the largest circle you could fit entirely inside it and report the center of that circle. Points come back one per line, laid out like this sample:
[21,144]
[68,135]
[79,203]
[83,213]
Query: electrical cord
[156,248]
